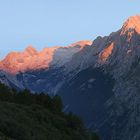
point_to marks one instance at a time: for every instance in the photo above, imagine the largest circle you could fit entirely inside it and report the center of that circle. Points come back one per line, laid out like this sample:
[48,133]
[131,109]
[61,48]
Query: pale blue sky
[59,22]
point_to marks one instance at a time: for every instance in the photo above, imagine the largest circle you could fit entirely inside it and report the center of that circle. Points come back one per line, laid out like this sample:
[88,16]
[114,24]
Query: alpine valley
[98,80]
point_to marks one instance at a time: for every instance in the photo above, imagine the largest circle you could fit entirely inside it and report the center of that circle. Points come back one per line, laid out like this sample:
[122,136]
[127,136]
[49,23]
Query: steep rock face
[119,56]
[104,55]
[86,95]
[124,65]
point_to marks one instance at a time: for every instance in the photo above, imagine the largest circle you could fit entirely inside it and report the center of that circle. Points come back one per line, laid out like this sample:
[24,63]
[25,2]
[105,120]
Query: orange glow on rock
[104,55]
[31,59]
[132,23]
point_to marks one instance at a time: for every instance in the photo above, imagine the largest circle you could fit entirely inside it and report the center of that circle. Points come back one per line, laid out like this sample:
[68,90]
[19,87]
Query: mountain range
[98,80]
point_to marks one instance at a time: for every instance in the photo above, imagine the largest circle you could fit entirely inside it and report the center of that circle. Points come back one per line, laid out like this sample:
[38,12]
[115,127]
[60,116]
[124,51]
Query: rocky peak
[132,22]
[81,43]
[31,50]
